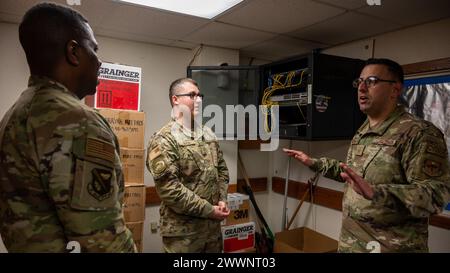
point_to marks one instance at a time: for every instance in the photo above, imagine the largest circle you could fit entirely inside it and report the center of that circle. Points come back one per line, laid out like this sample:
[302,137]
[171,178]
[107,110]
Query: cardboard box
[134,203]
[133,165]
[137,229]
[127,125]
[303,240]
[239,205]
[238,237]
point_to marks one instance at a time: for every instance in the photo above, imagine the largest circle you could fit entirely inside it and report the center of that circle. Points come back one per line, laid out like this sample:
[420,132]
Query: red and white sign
[238,237]
[119,88]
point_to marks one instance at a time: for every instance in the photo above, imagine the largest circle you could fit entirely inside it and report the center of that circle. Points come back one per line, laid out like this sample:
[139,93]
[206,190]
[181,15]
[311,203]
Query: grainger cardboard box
[134,203]
[303,240]
[238,237]
[127,125]
[133,161]
[137,229]
[239,205]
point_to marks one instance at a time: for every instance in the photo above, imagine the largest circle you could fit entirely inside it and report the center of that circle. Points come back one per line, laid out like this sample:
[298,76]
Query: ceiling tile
[94,11]
[13,10]
[410,12]
[347,4]
[223,35]
[344,28]
[184,44]
[131,36]
[15,7]
[323,21]
[138,20]
[10,18]
[279,16]
[280,47]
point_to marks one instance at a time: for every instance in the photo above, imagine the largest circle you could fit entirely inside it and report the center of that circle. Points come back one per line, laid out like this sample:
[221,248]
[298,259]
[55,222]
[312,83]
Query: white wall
[14,71]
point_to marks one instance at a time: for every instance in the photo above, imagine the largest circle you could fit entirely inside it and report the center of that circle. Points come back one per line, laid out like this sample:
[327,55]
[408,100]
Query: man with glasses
[397,169]
[190,174]
[61,182]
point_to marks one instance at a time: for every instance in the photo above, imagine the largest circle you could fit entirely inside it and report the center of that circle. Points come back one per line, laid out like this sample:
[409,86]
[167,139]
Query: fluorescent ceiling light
[201,8]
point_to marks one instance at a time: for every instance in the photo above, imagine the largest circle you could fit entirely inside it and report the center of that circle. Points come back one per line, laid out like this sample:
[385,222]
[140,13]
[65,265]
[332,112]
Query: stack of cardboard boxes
[129,129]
[238,232]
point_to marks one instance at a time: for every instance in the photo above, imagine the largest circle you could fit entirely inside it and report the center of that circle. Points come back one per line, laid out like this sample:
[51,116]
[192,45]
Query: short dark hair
[394,68]
[176,83]
[44,32]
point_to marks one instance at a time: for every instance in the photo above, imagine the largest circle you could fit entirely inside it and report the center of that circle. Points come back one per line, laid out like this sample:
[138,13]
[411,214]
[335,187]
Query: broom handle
[252,197]
[311,183]
[298,208]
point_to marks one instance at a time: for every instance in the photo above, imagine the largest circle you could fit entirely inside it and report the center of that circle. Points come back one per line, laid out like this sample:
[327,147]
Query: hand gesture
[300,156]
[358,184]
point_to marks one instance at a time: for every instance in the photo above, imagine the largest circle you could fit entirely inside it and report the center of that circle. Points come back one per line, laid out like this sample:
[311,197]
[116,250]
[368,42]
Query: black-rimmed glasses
[192,95]
[369,81]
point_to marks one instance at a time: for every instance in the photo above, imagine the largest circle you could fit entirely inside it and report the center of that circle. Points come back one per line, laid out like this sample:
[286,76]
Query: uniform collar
[196,134]
[382,128]
[43,81]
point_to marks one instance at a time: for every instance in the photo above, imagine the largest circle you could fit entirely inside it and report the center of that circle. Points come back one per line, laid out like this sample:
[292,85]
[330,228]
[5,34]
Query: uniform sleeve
[81,167]
[425,161]
[163,163]
[328,167]
[223,176]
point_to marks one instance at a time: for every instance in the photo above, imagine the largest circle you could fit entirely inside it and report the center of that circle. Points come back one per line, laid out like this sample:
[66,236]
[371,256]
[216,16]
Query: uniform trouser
[208,242]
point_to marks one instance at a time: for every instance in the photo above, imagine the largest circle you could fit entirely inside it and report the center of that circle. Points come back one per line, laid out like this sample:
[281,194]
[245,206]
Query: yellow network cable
[301,112]
[277,84]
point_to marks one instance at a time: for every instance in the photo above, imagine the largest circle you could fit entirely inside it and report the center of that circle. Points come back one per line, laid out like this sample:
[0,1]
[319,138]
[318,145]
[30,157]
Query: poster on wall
[119,87]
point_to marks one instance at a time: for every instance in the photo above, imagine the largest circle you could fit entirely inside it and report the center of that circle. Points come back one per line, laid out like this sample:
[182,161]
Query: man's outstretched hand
[358,184]
[300,156]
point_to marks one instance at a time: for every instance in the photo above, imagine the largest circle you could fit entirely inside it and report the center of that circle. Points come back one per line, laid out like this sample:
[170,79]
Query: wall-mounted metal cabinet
[314,93]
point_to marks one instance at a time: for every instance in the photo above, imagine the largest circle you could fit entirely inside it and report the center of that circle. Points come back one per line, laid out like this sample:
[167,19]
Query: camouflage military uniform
[60,175]
[405,160]
[190,176]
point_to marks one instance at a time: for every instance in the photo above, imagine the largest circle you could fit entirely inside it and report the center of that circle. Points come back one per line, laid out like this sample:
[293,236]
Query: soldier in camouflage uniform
[397,169]
[190,176]
[61,182]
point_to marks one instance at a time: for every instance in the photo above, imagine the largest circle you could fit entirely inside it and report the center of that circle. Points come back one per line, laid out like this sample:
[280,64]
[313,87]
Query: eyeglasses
[192,95]
[369,81]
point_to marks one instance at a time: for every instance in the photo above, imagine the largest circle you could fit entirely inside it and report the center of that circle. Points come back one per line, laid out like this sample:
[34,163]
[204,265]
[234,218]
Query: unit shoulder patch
[159,166]
[100,188]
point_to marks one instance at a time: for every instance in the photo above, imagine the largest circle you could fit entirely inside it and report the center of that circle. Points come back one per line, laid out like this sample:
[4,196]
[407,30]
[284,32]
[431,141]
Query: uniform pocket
[369,155]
